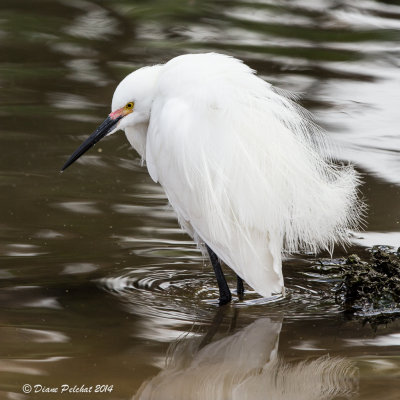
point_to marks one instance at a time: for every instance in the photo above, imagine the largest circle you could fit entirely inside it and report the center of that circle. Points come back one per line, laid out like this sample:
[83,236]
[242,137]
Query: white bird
[242,165]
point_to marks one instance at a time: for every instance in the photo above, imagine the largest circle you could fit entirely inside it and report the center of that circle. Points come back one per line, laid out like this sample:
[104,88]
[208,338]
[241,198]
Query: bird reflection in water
[245,365]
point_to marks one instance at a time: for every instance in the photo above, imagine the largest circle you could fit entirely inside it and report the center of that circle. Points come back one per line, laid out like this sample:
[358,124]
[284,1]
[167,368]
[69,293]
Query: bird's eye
[129,106]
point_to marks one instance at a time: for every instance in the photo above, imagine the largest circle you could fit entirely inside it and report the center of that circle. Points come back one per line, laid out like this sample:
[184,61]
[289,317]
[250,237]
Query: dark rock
[371,287]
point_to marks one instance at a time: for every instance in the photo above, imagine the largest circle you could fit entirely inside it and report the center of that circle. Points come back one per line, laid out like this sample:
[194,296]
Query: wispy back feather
[246,168]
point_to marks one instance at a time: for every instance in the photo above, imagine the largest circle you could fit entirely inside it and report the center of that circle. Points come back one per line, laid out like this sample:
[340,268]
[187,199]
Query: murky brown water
[98,285]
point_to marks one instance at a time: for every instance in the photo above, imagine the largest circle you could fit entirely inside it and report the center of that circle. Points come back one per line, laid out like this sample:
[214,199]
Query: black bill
[106,127]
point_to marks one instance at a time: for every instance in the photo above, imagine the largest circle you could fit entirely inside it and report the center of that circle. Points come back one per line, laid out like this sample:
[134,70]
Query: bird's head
[131,105]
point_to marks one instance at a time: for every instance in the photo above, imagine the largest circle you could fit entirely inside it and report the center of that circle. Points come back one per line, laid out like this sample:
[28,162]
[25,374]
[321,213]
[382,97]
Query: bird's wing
[237,161]
[210,184]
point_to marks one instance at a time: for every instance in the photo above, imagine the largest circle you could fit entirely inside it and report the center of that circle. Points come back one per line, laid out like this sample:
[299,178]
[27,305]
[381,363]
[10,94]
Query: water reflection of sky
[365,118]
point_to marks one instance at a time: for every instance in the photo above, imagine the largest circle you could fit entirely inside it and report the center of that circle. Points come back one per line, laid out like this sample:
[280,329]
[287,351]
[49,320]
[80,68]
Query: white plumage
[240,163]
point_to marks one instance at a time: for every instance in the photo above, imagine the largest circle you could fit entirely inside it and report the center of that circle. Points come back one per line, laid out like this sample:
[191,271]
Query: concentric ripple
[186,291]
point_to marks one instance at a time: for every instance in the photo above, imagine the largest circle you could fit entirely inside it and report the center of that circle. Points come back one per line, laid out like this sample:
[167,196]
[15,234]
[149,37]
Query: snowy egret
[242,165]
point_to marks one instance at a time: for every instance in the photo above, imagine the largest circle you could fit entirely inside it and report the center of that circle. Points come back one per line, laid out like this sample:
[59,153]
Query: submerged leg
[240,286]
[224,292]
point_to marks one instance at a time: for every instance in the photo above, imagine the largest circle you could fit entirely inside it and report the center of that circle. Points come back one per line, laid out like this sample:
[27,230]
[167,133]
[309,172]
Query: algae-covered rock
[371,287]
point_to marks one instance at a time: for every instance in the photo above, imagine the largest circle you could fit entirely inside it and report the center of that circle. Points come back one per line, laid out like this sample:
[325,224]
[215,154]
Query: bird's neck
[136,136]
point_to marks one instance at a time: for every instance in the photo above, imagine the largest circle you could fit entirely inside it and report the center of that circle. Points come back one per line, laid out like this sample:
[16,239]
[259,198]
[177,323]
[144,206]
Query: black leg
[214,326]
[240,287]
[232,325]
[224,292]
